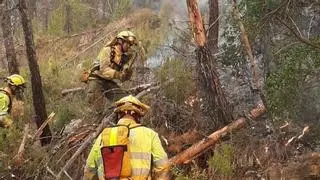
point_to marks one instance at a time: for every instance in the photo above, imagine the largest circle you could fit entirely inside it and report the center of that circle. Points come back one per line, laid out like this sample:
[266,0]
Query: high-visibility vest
[146,154]
[5,102]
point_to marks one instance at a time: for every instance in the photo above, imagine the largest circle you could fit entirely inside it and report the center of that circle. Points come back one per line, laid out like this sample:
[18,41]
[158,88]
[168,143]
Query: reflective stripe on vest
[113,136]
[161,162]
[10,99]
[140,155]
[140,172]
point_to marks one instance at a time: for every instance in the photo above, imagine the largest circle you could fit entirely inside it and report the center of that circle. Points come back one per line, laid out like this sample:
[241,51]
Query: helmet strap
[12,88]
[122,49]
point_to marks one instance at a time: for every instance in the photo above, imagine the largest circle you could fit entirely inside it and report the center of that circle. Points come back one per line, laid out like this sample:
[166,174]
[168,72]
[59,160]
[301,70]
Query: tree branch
[302,39]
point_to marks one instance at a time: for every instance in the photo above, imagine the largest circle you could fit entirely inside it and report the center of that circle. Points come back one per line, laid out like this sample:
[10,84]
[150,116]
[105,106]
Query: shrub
[182,86]
[222,160]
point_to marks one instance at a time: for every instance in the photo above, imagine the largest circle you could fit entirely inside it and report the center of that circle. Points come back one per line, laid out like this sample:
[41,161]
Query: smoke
[180,7]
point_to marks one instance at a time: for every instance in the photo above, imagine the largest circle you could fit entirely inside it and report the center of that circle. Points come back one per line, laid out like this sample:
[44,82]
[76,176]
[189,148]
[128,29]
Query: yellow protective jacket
[107,69]
[147,155]
[5,107]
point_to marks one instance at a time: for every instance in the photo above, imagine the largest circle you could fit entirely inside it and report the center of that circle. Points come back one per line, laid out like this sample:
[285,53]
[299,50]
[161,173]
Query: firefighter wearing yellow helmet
[16,84]
[147,158]
[114,62]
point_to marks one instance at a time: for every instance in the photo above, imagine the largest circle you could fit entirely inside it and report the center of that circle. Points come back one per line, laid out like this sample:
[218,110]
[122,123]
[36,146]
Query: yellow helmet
[128,36]
[130,103]
[16,80]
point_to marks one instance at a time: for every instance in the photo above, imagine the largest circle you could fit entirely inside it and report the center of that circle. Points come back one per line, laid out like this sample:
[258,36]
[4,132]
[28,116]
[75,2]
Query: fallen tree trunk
[203,145]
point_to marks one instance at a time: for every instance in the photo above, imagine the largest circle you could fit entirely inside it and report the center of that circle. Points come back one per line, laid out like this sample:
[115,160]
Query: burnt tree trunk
[68,23]
[213,25]
[220,110]
[37,94]
[8,39]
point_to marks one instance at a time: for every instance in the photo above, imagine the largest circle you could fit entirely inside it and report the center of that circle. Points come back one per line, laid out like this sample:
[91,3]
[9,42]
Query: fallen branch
[203,145]
[285,125]
[19,157]
[73,90]
[296,34]
[68,175]
[133,90]
[39,131]
[304,131]
[290,140]
[50,171]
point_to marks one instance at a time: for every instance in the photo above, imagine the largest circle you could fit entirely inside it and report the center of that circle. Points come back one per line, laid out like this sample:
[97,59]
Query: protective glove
[118,75]
[84,76]
[127,74]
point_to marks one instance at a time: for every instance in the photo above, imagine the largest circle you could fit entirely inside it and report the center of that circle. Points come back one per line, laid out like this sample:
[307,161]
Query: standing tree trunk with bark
[8,39]
[36,83]
[68,22]
[220,110]
[46,14]
[32,10]
[213,36]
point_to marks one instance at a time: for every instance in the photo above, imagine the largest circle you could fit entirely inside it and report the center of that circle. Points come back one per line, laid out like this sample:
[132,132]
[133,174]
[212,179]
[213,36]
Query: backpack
[115,151]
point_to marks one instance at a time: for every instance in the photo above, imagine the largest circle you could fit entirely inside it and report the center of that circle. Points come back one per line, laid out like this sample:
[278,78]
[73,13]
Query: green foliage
[64,116]
[183,85]
[9,139]
[254,9]
[79,18]
[222,159]
[56,22]
[233,54]
[122,8]
[285,84]
[253,12]
[195,173]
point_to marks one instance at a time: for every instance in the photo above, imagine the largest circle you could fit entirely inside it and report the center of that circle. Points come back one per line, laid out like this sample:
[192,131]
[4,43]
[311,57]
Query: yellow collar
[128,122]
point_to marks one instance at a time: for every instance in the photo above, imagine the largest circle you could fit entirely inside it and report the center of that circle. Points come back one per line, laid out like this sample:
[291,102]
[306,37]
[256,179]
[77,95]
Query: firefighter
[147,157]
[16,85]
[114,62]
